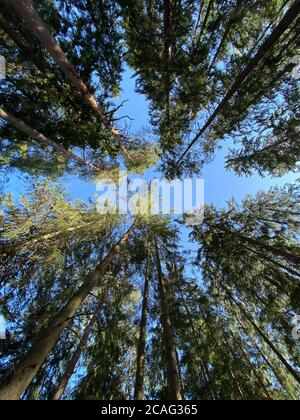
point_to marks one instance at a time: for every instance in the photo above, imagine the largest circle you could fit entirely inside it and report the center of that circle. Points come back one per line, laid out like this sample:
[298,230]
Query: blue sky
[220,184]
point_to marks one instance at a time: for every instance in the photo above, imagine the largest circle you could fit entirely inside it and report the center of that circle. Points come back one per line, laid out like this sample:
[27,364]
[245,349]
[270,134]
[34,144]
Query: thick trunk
[21,125]
[35,23]
[60,389]
[281,28]
[174,390]
[28,367]
[261,333]
[21,44]
[140,368]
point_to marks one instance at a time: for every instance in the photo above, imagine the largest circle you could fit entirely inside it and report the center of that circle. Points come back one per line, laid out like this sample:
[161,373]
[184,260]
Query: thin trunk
[21,44]
[61,387]
[208,11]
[7,249]
[24,373]
[21,125]
[261,333]
[167,53]
[203,365]
[232,375]
[225,35]
[276,263]
[140,369]
[281,28]
[169,343]
[264,356]
[35,23]
[251,366]
[275,251]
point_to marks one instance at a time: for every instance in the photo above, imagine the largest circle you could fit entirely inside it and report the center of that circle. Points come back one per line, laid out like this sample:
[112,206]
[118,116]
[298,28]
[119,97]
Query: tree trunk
[167,53]
[204,368]
[208,11]
[140,368]
[60,389]
[21,125]
[35,23]
[264,356]
[280,29]
[23,374]
[225,35]
[251,366]
[7,249]
[21,44]
[174,392]
[283,360]
[232,375]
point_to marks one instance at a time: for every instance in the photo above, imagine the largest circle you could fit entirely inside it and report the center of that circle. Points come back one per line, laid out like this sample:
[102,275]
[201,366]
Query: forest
[105,306]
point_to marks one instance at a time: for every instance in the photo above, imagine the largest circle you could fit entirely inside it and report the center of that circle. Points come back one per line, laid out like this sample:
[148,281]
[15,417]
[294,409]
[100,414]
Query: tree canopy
[120,307]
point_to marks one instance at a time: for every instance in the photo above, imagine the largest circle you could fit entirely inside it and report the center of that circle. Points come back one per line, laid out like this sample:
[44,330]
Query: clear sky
[220,184]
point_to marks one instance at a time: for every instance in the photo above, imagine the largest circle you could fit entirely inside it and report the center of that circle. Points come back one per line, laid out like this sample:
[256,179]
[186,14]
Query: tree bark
[61,387]
[35,23]
[251,366]
[174,390]
[140,369]
[225,35]
[41,239]
[264,356]
[21,44]
[28,367]
[283,360]
[208,11]
[232,375]
[280,29]
[21,125]
[204,368]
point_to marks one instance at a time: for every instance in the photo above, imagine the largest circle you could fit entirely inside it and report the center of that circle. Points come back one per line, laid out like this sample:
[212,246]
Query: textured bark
[21,125]
[21,43]
[35,23]
[31,363]
[280,29]
[61,387]
[140,369]
[174,389]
